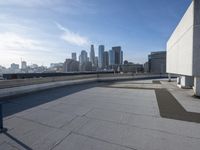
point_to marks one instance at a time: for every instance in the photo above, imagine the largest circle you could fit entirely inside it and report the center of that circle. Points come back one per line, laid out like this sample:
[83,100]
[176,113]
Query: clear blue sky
[45,31]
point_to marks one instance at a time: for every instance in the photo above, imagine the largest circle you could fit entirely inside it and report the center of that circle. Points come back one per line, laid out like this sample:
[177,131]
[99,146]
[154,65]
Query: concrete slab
[76,123]
[77,142]
[119,96]
[7,146]
[70,109]
[98,118]
[137,138]
[186,129]
[145,110]
[50,140]
[108,115]
[133,101]
[49,117]
[24,134]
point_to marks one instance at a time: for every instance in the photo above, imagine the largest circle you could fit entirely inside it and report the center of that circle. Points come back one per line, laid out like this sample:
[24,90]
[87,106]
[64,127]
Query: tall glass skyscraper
[111,58]
[118,55]
[105,59]
[92,55]
[74,56]
[101,54]
[121,57]
[83,57]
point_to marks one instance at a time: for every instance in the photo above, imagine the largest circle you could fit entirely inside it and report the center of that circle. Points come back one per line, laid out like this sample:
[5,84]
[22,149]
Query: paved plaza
[128,115]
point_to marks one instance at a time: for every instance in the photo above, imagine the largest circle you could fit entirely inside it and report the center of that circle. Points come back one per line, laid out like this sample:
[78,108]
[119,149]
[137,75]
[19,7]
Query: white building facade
[183,49]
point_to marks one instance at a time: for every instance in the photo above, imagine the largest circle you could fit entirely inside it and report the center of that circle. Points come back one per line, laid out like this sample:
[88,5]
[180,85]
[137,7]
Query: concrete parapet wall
[8,92]
[32,81]
[17,87]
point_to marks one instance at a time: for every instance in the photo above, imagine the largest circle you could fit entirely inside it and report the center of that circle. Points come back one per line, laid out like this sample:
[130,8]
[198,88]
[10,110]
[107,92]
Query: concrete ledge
[32,81]
[8,92]
[19,90]
[104,79]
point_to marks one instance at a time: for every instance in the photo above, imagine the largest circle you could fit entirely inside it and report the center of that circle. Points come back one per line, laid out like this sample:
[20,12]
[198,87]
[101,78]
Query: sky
[48,31]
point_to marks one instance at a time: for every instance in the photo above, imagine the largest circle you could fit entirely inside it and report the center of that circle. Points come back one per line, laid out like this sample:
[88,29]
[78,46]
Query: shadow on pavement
[17,104]
[170,108]
[17,141]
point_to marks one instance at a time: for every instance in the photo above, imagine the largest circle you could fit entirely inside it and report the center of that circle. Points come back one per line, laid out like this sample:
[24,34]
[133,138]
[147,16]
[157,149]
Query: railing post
[2,129]
[169,77]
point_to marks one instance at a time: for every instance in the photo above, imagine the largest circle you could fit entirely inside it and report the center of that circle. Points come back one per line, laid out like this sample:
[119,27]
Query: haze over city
[44,32]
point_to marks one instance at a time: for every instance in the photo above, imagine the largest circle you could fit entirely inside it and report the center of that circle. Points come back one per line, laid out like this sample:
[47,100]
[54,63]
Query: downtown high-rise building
[121,57]
[101,54]
[118,55]
[74,56]
[83,57]
[71,65]
[85,64]
[92,55]
[105,59]
[23,65]
[96,62]
[111,57]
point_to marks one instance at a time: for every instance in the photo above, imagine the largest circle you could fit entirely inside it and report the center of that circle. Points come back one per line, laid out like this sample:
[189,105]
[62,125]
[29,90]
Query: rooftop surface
[128,115]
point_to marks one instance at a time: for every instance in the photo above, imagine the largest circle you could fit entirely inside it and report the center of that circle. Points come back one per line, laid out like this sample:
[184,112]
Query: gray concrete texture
[10,88]
[100,117]
[31,81]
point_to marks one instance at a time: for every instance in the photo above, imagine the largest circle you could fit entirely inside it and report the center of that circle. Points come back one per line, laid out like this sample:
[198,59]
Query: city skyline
[123,74]
[31,29]
[74,56]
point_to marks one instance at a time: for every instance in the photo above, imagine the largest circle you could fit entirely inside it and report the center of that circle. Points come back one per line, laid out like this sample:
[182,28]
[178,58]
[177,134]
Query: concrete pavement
[96,117]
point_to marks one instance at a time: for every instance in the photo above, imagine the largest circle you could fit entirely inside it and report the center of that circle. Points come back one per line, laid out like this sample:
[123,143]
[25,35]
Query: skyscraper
[74,56]
[23,65]
[83,57]
[92,55]
[121,57]
[118,55]
[105,59]
[96,62]
[101,53]
[111,58]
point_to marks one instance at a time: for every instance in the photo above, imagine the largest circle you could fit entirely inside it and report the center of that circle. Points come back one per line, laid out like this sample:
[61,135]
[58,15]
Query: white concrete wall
[180,46]
[186,82]
[196,46]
